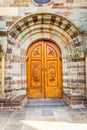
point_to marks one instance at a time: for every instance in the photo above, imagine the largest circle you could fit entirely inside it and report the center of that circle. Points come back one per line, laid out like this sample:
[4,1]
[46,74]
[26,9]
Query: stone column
[3,75]
[86,70]
[85,49]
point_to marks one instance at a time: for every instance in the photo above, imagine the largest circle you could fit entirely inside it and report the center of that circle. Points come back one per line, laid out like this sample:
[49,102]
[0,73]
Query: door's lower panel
[36,92]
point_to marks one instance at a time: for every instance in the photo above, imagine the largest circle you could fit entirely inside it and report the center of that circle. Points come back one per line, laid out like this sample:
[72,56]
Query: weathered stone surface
[51,27]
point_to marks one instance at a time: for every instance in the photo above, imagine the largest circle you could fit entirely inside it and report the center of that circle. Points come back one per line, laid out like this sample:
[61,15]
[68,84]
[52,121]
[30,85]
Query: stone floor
[60,117]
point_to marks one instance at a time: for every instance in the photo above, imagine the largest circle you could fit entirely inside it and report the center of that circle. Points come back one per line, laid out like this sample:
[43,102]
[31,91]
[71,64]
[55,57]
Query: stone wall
[2,65]
[15,78]
[56,3]
[0,76]
[74,82]
[74,76]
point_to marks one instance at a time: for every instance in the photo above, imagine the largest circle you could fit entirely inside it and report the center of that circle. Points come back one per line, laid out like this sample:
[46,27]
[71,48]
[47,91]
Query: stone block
[75,101]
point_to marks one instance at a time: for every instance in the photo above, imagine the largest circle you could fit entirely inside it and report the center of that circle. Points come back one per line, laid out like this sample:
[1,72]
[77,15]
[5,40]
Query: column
[85,49]
[3,75]
[86,70]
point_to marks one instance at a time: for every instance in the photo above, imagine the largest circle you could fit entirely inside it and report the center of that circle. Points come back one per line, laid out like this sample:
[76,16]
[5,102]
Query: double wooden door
[44,70]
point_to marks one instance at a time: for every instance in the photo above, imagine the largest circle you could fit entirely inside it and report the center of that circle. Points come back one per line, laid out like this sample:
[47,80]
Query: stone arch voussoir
[44,23]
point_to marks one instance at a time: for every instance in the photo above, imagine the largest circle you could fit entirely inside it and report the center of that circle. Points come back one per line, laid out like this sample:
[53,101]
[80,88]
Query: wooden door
[44,70]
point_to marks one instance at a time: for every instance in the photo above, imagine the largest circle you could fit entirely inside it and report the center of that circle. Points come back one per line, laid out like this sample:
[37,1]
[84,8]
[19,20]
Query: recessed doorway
[44,70]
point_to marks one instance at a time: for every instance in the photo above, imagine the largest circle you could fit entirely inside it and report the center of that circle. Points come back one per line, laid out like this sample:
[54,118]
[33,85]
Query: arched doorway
[54,27]
[44,70]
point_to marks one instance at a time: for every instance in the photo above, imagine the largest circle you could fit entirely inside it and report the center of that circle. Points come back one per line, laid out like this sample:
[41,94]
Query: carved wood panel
[52,72]
[50,51]
[36,52]
[35,73]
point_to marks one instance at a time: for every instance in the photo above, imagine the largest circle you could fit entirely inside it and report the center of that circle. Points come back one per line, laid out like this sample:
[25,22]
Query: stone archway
[31,26]
[50,26]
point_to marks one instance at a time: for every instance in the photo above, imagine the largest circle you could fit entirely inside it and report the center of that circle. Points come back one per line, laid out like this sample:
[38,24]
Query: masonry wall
[0,76]
[27,2]
[15,78]
[74,76]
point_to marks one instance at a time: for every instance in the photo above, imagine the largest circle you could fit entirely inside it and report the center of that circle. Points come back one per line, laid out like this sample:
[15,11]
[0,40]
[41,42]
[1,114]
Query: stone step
[12,102]
[40,102]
